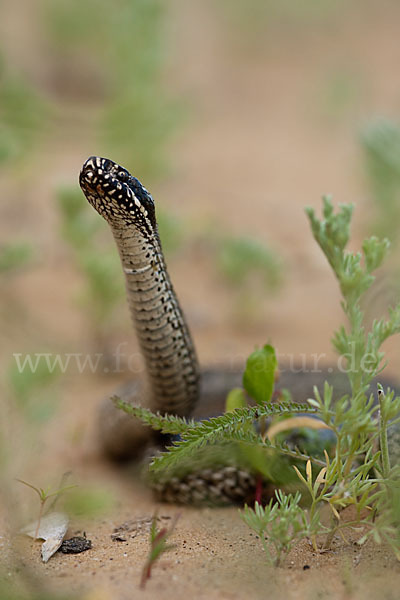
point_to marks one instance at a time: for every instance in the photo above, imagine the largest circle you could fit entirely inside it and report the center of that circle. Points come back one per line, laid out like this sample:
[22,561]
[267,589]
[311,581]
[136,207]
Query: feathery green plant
[282,521]
[358,474]
[229,427]
[236,437]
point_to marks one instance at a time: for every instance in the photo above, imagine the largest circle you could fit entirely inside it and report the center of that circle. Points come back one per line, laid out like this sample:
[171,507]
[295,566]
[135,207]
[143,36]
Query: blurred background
[235,114]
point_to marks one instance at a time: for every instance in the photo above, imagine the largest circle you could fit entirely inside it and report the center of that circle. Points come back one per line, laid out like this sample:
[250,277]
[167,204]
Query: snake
[173,382]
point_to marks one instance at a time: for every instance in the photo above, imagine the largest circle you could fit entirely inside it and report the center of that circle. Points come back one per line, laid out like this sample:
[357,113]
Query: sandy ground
[262,144]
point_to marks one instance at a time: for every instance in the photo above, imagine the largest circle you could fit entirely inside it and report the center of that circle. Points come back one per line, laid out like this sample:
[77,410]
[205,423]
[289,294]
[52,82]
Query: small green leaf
[259,376]
[235,399]
[374,252]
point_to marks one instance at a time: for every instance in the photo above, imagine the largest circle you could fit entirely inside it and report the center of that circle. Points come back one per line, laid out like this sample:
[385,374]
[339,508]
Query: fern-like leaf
[164,423]
[229,427]
[179,425]
[187,447]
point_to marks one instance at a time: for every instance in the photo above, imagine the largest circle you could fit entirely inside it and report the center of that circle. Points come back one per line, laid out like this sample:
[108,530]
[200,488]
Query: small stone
[75,545]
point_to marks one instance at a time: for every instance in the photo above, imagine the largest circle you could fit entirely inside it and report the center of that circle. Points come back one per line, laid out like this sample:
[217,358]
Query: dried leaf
[299,475]
[52,529]
[335,512]
[309,471]
[320,476]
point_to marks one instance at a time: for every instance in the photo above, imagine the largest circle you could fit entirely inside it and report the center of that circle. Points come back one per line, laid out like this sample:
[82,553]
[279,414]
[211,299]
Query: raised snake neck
[171,365]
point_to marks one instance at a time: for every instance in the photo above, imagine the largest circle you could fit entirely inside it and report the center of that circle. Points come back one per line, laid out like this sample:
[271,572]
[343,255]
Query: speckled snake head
[116,194]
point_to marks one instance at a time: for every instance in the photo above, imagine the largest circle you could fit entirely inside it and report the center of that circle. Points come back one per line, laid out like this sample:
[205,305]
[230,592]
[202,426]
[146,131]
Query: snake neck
[164,338]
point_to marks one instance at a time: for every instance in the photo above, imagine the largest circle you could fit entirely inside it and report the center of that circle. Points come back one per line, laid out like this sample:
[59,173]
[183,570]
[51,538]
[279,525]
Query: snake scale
[173,382]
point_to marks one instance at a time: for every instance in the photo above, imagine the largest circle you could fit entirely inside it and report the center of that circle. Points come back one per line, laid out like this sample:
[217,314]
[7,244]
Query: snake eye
[122,175]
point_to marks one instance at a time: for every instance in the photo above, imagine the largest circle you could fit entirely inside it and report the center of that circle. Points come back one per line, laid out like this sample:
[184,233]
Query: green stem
[264,545]
[383,438]
[348,465]
[312,512]
[42,503]
[278,557]
[330,535]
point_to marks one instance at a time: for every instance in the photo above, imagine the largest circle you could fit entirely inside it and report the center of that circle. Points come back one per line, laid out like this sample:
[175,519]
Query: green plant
[44,495]
[158,546]
[282,521]
[358,474]
[234,426]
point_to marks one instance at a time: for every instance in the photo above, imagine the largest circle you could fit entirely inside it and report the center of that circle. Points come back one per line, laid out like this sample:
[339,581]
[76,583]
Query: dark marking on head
[116,194]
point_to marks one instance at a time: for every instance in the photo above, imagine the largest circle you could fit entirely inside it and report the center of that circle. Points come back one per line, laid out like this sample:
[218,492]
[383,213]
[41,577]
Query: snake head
[117,195]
